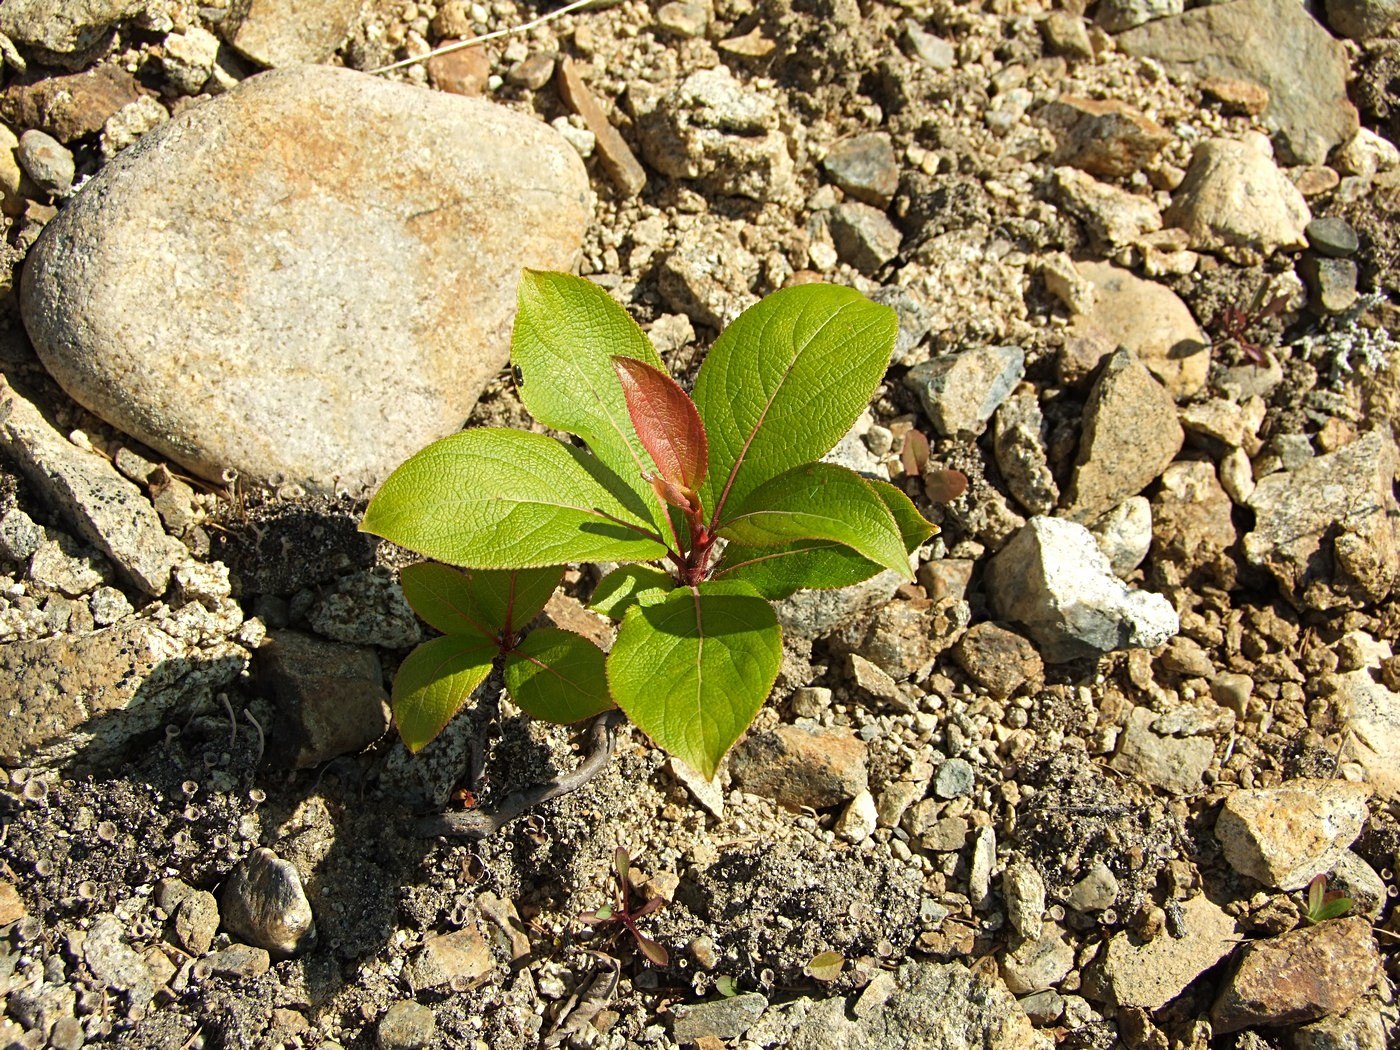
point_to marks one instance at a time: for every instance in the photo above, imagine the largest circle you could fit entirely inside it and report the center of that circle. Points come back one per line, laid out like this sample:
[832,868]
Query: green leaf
[487,602]
[567,331]
[433,683]
[1332,909]
[820,501]
[785,381]
[494,498]
[693,670]
[826,966]
[558,676]
[776,572]
[622,588]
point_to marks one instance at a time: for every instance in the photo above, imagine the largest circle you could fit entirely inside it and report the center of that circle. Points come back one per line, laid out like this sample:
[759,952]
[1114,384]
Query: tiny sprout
[1324,904]
[726,986]
[622,912]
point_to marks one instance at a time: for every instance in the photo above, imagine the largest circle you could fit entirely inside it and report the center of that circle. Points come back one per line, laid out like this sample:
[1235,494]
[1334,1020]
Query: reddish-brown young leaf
[946,485]
[667,423]
[913,457]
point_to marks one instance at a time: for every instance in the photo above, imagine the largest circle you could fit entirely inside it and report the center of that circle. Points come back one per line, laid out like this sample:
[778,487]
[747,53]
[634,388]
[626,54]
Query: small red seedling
[623,914]
[1324,904]
[1237,325]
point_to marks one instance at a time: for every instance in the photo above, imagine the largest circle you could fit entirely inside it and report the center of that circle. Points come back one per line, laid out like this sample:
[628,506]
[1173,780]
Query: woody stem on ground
[476,824]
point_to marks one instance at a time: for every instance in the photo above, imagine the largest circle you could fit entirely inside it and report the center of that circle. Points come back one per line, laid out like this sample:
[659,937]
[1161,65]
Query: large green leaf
[776,572]
[693,670]
[820,501]
[785,381]
[434,682]
[627,585]
[479,601]
[558,676]
[494,498]
[567,331]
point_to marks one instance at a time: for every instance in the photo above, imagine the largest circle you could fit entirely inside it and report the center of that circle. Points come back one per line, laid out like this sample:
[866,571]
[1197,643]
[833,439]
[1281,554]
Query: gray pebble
[1331,236]
[19,535]
[954,779]
[264,903]
[406,1026]
[196,922]
[47,162]
[1332,283]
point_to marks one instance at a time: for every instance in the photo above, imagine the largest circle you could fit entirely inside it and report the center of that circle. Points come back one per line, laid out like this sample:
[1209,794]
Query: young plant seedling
[714,506]
[622,914]
[1243,326]
[1324,904]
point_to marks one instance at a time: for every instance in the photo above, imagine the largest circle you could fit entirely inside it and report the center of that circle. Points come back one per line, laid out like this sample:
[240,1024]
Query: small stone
[618,161]
[532,72]
[1235,197]
[1124,534]
[723,1019]
[1151,321]
[1106,137]
[955,778]
[1064,281]
[945,835]
[873,680]
[1232,691]
[1363,1027]
[1192,516]
[859,819]
[1363,19]
[685,20]
[188,58]
[1332,236]
[801,765]
[1038,962]
[276,34]
[1370,713]
[128,124]
[47,162]
[1118,15]
[583,140]
[264,904]
[865,167]
[366,608]
[1043,1008]
[69,107]
[961,392]
[1237,476]
[1052,578]
[1366,154]
[12,200]
[196,922]
[1353,878]
[1174,764]
[465,71]
[708,793]
[864,236]
[708,277]
[1299,976]
[114,964]
[1331,283]
[1283,836]
[1000,661]
[1024,890]
[1096,891]
[1112,217]
[239,960]
[1065,33]
[447,958]
[406,1026]
[933,52]
[62,32]
[1151,974]
[1130,435]
[20,537]
[979,876]
[1236,97]
[895,799]
[1019,446]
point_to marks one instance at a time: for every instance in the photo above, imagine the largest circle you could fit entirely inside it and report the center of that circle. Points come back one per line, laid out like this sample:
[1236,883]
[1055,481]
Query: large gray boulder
[306,279]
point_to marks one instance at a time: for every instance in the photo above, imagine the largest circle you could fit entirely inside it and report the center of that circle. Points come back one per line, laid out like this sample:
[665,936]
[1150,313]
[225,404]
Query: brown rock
[1191,515]
[1130,435]
[11,906]
[619,162]
[450,958]
[1103,137]
[1300,976]
[1236,96]
[69,107]
[801,765]
[1284,836]
[277,33]
[463,72]
[999,660]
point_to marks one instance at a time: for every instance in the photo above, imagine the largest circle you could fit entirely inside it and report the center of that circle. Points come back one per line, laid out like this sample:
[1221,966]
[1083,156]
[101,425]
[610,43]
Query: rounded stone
[47,162]
[406,1026]
[306,279]
[1332,236]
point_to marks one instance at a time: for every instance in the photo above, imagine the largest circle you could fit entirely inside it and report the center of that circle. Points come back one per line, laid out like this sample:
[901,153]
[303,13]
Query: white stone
[1234,196]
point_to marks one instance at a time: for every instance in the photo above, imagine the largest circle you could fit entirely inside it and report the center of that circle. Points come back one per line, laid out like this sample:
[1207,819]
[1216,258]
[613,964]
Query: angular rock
[1129,972]
[1065,33]
[998,660]
[801,765]
[263,904]
[1329,532]
[1299,976]
[275,33]
[864,236]
[1118,15]
[106,510]
[366,608]
[1019,446]
[188,59]
[955,779]
[449,196]
[196,922]
[1234,197]
[1370,711]
[1283,836]
[1353,878]
[114,963]
[1363,1027]
[1105,137]
[69,107]
[707,277]
[621,165]
[450,958]
[330,698]
[1237,97]
[712,129]
[1124,534]
[1191,515]
[859,819]
[815,613]
[1052,579]
[464,72]
[1038,963]
[1113,217]
[1024,891]
[1275,43]
[1151,321]
[979,868]
[720,1018]
[960,392]
[65,32]
[238,961]
[1174,764]
[1331,283]
[865,167]
[1130,435]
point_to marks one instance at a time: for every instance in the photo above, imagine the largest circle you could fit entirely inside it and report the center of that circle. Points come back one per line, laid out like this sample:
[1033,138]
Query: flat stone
[865,167]
[1237,97]
[12,907]
[1130,435]
[1151,321]
[1331,283]
[933,52]
[723,1019]
[1332,236]
[1299,976]
[873,680]
[801,765]
[533,71]
[1037,963]
[276,33]
[366,608]
[263,903]
[961,392]
[330,698]
[955,778]
[1275,43]
[979,867]
[238,961]
[1283,836]
[1018,443]
[1065,33]
[451,958]
[685,20]
[864,236]
[1329,532]
[1113,217]
[1363,1027]
[1130,972]
[406,1026]
[1235,197]
[1104,137]
[1370,711]
[1174,764]
[619,163]
[1052,579]
[1000,661]
[114,963]
[314,165]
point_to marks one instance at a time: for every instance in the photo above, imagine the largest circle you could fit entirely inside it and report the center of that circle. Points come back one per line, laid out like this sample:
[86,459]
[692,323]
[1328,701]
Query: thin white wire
[472,41]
